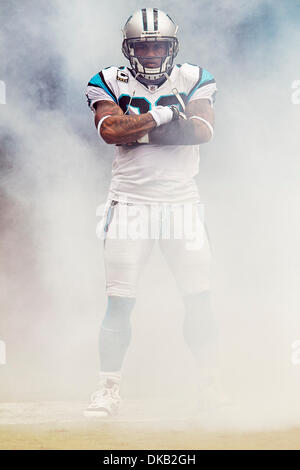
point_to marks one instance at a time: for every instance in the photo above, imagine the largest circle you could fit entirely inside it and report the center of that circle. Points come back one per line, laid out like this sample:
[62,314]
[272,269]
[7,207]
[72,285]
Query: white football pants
[129,232]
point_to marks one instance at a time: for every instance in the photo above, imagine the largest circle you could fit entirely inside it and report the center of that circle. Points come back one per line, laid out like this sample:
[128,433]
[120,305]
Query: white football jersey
[146,173]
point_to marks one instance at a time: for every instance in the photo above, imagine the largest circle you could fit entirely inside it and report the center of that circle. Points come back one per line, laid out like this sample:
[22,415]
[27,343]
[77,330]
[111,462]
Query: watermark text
[2,92]
[2,353]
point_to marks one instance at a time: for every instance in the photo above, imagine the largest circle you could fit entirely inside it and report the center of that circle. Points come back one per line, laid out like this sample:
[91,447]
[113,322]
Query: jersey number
[144,105]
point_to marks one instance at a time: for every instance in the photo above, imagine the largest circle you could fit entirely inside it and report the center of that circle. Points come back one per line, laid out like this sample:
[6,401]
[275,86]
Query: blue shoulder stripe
[205,78]
[99,81]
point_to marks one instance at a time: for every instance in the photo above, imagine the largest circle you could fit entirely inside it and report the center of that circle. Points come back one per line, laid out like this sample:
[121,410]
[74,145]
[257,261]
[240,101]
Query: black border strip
[132,72]
[198,81]
[196,86]
[145,24]
[109,217]
[104,81]
[155,19]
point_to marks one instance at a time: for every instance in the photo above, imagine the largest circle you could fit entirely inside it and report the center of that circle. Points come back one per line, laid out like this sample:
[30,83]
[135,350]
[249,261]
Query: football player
[156,114]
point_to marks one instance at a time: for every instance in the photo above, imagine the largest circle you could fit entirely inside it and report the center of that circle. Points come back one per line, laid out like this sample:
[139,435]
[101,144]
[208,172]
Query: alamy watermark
[295,96]
[295,356]
[2,353]
[128,221]
[2,92]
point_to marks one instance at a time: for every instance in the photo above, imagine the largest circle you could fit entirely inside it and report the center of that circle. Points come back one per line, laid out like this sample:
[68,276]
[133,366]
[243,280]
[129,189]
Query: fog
[55,172]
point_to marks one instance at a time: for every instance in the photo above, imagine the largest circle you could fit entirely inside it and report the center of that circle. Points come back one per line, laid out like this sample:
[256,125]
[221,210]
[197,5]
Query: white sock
[115,376]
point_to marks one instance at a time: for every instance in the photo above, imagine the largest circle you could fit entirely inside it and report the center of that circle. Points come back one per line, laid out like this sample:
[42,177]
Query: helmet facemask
[138,63]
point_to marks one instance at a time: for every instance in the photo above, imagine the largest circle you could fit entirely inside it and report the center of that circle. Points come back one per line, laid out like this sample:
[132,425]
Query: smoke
[55,171]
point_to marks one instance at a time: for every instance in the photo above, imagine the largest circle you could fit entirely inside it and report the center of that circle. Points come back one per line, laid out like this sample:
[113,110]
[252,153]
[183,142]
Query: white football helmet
[150,24]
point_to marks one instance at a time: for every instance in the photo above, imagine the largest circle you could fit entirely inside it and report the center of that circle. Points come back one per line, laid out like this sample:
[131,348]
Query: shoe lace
[105,392]
[214,395]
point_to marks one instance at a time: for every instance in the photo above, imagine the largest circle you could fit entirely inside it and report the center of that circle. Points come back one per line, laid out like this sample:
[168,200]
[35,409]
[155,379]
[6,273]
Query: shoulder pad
[195,77]
[206,77]
[190,71]
[107,73]
[103,80]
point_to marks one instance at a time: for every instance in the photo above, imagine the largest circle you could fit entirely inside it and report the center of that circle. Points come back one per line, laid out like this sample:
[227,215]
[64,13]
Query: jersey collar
[152,87]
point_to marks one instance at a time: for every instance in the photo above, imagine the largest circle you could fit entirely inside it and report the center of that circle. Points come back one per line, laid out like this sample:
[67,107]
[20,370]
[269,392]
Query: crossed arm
[123,129]
[186,132]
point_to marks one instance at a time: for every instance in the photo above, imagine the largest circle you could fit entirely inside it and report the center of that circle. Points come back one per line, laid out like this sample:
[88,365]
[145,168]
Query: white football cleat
[212,397]
[214,408]
[106,400]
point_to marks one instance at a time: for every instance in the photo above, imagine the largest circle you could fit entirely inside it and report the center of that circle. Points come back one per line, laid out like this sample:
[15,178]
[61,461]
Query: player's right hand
[162,115]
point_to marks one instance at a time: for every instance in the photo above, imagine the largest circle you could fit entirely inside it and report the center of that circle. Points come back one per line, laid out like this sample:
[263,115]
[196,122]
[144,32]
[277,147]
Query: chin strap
[146,82]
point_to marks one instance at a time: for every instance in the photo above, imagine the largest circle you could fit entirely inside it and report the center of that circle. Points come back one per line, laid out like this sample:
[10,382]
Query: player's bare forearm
[119,128]
[126,129]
